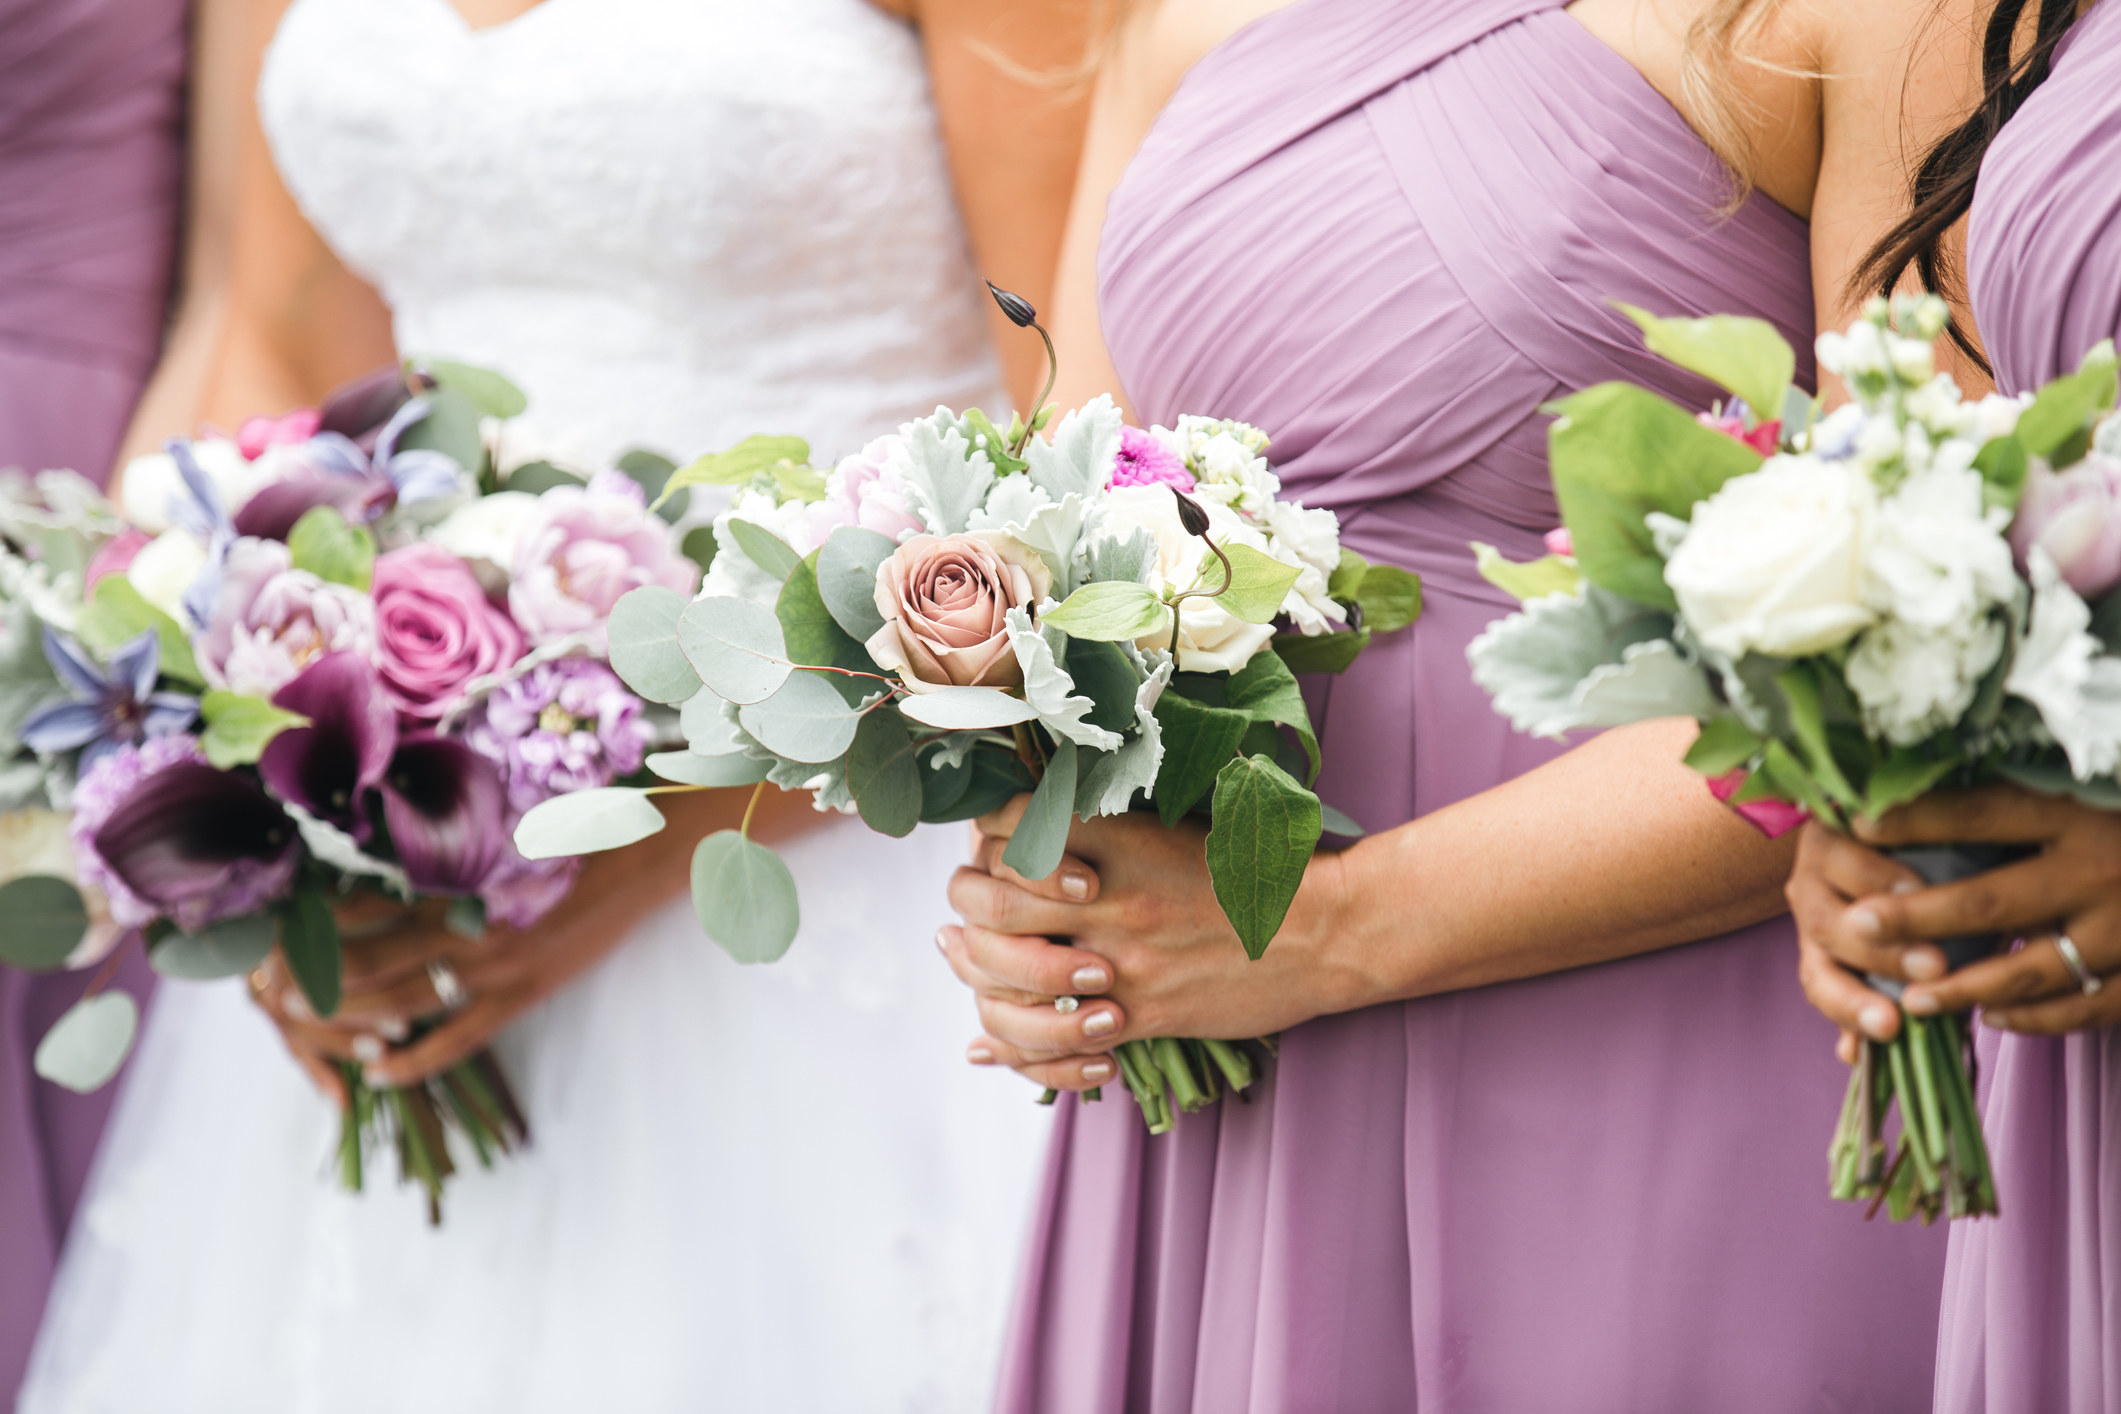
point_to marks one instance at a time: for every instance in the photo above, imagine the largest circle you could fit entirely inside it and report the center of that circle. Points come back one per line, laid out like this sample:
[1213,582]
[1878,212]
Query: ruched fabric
[91,148]
[2032,1299]
[1387,232]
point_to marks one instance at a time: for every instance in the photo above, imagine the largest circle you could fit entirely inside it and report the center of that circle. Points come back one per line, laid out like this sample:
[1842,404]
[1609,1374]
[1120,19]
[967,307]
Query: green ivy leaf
[1347,576]
[1390,598]
[46,921]
[309,940]
[1745,356]
[335,551]
[2004,465]
[239,728]
[991,780]
[1527,579]
[1265,829]
[1258,583]
[1199,740]
[1321,652]
[884,774]
[1266,691]
[1113,611]
[1908,774]
[744,897]
[483,388]
[736,467]
[2063,412]
[1041,836]
[1724,745]
[117,613]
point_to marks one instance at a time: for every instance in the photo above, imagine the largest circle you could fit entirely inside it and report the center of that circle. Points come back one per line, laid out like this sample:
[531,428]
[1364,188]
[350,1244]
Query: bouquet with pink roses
[334,654]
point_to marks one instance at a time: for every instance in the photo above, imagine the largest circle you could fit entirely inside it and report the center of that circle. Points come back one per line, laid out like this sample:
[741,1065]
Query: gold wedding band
[2088,981]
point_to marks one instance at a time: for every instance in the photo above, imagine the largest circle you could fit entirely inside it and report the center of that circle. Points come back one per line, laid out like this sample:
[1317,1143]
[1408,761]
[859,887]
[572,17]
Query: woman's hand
[1857,908]
[1148,941]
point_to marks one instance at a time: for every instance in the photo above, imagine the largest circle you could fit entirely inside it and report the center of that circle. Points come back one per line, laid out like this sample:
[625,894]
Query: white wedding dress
[674,223]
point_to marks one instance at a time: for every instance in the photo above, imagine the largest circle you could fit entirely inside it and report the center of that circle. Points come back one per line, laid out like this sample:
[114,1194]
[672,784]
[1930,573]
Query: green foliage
[309,941]
[329,547]
[763,548]
[643,632]
[1041,836]
[651,471]
[966,709]
[1620,452]
[846,578]
[85,1047]
[781,458]
[1528,579]
[538,477]
[989,780]
[2058,424]
[2004,465]
[1390,598]
[1321,652]
[700,546]
[1265,829]
[737,647]
[229,948]
[1347,576]
[1111,611]
[884,774]
[1258,583]
[239,728]
[1724,745]
[814,636]
[483,388]
[1800,690]
[586,821]
[1103,673]
[986,437]
[451,427]
[744,897]
[1266,691]
[1907,774]
[1199,740]
[691,768]
[1745,356]
[807,720]
[42,921]
[117,613]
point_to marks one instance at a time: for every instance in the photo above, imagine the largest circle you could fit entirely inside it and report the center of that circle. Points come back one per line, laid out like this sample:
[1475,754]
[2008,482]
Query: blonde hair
[1721,37]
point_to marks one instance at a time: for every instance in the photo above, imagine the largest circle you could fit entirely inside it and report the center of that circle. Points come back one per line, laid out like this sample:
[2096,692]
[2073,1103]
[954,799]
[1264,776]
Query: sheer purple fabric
[2032,1299]
[1386,232]
[91,150]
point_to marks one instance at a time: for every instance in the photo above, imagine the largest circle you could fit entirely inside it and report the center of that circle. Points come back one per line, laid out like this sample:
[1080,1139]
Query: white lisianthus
[2062,671]
[1859,350]
[1938,559]
[485,533]
[150,486]
[1210,637]
[1774,561]
[165,568]
[1914,682]
[733,572]
[1227,462]
[1310,540]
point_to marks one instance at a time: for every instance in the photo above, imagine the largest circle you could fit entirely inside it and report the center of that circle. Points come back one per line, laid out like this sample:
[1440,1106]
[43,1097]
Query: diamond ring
[2087,980]
[450,990]
[1064,1005]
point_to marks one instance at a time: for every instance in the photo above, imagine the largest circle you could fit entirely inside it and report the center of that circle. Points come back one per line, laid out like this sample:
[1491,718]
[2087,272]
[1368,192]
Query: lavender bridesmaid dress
[2032,1299]
[91,156]
[1386,231]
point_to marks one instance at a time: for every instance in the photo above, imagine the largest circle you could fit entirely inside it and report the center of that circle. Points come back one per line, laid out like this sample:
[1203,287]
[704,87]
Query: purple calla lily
[110,709]
[199,845]
[358,410]
[445,806]
[329,765]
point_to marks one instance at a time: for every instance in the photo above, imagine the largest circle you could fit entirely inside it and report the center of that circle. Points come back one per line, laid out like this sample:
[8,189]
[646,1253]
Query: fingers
[1034,969]
[1995,814]
[456,1040]
[373,963]
[1841,996]
[1853,870]
[1063,1073]
[1043,1032]
[1845,1046]
[2035,972]
[1072,882]
[2075,1012]
[2022,897]
[1003,907]
[1001,823]
[1850,934]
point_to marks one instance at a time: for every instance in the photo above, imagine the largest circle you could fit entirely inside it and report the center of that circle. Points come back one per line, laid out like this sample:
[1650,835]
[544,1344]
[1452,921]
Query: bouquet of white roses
[1858,609]
[960,613]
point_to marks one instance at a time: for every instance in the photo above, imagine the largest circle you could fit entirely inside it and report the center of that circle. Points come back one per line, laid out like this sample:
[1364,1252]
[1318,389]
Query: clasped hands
[1859,912]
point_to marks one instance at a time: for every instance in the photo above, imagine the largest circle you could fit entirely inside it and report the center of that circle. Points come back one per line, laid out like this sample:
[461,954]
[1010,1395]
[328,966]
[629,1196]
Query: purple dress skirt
[2032,1299]
[91,162]
[1386,231]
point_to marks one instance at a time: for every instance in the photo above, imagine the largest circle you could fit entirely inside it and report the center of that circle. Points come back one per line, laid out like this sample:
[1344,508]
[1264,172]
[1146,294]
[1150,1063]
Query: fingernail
[1096,1071]
[1090,978]
[979,1055]
[1865,923]
[375,1079]
[1918,1002]
[1906,886]
[1075,886]
[393,1028]
[942,941]
[1876,1021]
[296,1005]
[1101,1023]
[368,1049]
[1923,964]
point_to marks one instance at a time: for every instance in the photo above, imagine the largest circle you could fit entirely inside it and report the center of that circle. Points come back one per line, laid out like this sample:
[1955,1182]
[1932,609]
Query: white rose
[1938,557]
[1915,682]
[1773,562]
[1309,540]
[2063,671]
[150,487]
[165,568]
[485,533]
[1210,638]
[733,572]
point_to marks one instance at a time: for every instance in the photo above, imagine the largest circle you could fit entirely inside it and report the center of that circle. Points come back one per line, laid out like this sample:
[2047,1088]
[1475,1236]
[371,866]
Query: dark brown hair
[1943,185]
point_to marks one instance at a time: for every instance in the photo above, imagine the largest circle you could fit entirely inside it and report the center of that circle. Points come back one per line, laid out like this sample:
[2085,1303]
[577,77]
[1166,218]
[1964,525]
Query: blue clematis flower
[110,709]
[361,485]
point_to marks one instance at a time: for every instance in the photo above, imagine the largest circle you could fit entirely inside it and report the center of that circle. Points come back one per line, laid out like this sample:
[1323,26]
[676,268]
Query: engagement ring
[1064,1005]
[2087,980]
[449,988]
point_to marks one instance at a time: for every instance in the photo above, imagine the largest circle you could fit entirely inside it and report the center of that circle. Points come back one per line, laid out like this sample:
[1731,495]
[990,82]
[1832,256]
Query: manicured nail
[1923,964]
[1075,886]
[1097,1071]
[1865,923]
[1090,978]
[368,1049]
[1906,886]
[296,1005]
[1101,1023]
[979,1055]
[375,1079]
[1876,1021]
[942,941]
[393,1028]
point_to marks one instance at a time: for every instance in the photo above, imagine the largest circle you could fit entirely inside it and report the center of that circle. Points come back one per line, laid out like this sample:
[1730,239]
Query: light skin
[269,319]
[1634,854]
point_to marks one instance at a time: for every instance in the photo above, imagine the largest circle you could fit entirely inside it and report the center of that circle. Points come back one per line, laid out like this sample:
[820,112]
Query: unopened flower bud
[1019,309]
[1191,514]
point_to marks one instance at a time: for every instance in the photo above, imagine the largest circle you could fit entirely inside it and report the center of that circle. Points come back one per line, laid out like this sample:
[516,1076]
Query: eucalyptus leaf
[700,546]
[535,478]
[806,720]
[451,427]
[309,941]
[1390,598]
[485,389]
[88,1044]
[1258,583]
[943,785]
[116,613]
[324,543]
[586,821]
[815,638]
[1041,836]
[229,948]
[749,458]
[961,709]
[239,728]
[995,778]
[1113,611]
[42,921]
[744,897]
[1333,822]
[692,769]
[644,645]
[736,647]
[651,471]
[1745,356]
[1265,829]
[763,548]
[846,578]
[884,774]
[1526,579]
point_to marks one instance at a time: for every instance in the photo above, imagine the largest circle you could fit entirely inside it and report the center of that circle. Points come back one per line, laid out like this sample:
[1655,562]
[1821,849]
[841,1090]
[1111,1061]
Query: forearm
[1611,850]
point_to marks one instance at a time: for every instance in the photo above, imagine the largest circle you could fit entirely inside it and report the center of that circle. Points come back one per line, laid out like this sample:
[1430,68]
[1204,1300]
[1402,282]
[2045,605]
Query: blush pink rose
[435,630]
[864,491]
[270,621]
[945,599]
[583,548]
[2075,516]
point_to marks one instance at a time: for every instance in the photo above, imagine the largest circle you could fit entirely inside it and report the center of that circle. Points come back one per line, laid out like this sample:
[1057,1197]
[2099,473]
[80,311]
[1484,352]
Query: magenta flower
[163,834]
[258,433]
[435,630]
[1765,438]
[115,557]
[443,805]
[1773,818]
[584,548]
[564,726]
[1144,461]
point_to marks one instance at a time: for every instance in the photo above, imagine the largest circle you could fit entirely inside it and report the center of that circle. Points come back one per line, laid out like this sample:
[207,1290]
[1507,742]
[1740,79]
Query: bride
[674,223]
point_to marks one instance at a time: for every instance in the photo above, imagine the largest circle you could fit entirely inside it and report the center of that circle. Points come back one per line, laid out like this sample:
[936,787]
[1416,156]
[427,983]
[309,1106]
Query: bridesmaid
[91,146]
[1520,1150]
[2032,1299]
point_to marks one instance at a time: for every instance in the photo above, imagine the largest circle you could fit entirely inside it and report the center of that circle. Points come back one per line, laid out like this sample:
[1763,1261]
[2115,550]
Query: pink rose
[1765,438]
[259,433]
[1773,818]
[270,621]
[115,557]
[944,600]
[2075,516]
[582,549]
[1144,461]
[862,490]
[435,630]
[1560,542]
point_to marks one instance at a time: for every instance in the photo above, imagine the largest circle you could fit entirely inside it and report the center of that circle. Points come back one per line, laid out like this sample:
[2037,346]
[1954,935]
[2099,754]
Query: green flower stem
[1911,1137]
[1171,1060]
[1138,1067]
[1845,1154]
[1921,1056]
[1235,1065]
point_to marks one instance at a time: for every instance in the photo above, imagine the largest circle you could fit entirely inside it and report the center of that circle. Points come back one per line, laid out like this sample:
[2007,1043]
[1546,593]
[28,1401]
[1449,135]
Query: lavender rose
[435,630]
[944,600]
[2075,516]
[270,621]
[564,726]
[585,547]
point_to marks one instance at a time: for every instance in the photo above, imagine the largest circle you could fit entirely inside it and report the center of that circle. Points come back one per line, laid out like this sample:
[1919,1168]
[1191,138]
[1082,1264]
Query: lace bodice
[674,223]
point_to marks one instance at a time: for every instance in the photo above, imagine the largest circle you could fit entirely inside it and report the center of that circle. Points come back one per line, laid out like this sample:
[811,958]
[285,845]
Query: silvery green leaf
[85,1047]
[948,750]
[806,720]
[828,783]
[227,949]
[1110,780]
[1013,499]
[1336,823]
[608,817]
[332,845]
[709,725]
[22,784]
[884,774]
[46,921]
[949,478]
[744,896]
[692,769]
[763,548]
[1122,559]
[1079,459]
[1053,531]
[846,578]
[736,647]
[644,644]
[1535,662]
[1049,690]
[1651,680]
[1041,836]
[967,708]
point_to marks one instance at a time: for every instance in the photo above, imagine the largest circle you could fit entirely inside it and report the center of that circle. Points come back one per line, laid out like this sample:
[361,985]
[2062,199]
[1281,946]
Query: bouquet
[960,613]
[1915,590]
[332,655]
